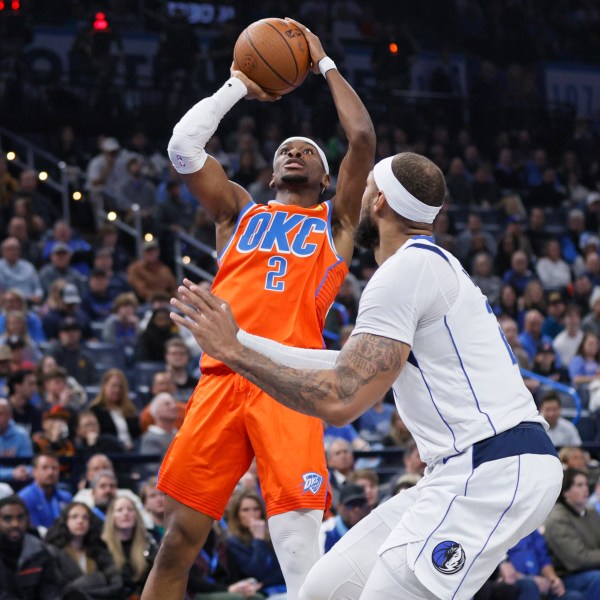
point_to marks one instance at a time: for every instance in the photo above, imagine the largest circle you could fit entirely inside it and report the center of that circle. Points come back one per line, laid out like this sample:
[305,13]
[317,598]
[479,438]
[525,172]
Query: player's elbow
[363,135]
[338,415]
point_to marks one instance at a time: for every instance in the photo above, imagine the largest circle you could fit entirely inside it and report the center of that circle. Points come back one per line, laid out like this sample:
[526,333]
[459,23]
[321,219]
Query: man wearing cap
[492,473]
[60,267]
[280,266]
[351,509]
[16,273]
[555,314]
[150,275]
[70,354]
[107,170]
[69,306]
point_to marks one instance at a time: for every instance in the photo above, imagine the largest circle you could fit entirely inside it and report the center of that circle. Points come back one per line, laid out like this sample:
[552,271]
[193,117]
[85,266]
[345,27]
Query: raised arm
[359,159]
[203,175]
[363,372]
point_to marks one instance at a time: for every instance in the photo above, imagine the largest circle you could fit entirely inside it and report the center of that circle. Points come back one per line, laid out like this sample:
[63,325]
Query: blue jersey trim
[467,377]
[494,529]
[431,249]
[438,526]
[438,410]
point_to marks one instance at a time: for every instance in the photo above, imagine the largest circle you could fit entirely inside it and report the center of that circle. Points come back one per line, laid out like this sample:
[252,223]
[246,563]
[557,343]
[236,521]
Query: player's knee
[178,549]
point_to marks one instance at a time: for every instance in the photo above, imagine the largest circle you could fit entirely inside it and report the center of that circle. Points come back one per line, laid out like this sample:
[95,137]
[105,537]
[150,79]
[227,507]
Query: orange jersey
[280,273]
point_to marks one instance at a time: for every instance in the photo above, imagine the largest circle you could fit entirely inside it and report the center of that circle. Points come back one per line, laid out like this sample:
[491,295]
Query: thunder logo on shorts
[311,482]
[448,557]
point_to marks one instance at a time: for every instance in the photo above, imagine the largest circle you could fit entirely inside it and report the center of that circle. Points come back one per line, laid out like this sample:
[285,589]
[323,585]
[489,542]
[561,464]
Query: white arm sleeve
[297,358]
[186,146]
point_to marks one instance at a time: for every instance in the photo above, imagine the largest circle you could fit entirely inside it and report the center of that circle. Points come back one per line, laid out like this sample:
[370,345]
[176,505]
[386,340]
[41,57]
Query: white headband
[399,198]
[312,143]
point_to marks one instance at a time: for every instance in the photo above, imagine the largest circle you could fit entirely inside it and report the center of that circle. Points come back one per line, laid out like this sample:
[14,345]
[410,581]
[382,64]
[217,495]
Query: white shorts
[456,524]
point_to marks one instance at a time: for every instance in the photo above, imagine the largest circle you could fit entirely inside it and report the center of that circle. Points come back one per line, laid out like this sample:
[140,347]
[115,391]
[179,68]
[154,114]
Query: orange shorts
[228,422]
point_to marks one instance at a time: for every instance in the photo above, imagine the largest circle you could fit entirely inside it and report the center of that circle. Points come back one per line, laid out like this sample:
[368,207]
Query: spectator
[105,260]
[94,465]
[464,240]
[249,549]
[340,462]
[149,275]
[40,204]
[106,172]
[21,389]
[574,457]
[177,359]
[162,382]
[89,441]
[83,562]
[68,305]
[123,326]
[13,300]
[14,442]
[568,341]
[545,364]
[25,353]
[411,460]
[97,302]
[158,438]
[536,232]
[30,251]
[585,366]
[351,508]
[17,273]
[102,492]
[519,274]
[114,409]
[375,423]
[555,312]
[553,271]
[399,435]
[81,251]
[58,389]
[23,209]
[561,432]
[8,187]
[26,567]
[532,337]
[60,267]
[346,432]
[483,277]
[533,297]
[152,341]
[54,437]
[591,321]
[69,352]
[132,547]
[153,500]
[369,480]
[531,559]
[508,305]
[136,189]
[43,498]
[5,368]
[572,532]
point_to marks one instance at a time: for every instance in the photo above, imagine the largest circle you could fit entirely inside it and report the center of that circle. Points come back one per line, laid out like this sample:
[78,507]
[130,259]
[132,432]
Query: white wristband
[326,64]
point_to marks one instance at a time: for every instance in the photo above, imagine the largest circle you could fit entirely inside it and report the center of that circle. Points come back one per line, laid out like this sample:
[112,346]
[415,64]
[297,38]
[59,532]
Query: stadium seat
[106,355]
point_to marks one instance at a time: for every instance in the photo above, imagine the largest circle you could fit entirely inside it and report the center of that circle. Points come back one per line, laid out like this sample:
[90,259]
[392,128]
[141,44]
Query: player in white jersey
[426,330]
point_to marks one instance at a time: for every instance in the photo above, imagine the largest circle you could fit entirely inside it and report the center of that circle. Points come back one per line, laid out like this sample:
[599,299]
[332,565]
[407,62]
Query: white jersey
[461,383]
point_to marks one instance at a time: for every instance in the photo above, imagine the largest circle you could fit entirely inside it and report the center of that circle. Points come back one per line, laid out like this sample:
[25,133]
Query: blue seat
[143,374]
[106,355]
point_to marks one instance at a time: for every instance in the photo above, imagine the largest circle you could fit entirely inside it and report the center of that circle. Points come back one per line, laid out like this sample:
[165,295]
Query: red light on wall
[393,47]
[15,5]
[100,22]
[1,5]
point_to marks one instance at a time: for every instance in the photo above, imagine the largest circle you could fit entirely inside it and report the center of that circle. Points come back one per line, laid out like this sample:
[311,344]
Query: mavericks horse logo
[448,557]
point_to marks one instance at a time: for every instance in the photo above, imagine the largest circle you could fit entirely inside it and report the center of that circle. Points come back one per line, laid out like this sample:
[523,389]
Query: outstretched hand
[209,319]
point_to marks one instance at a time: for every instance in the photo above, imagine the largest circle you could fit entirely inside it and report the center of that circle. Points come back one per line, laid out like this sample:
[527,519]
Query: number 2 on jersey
[274,280]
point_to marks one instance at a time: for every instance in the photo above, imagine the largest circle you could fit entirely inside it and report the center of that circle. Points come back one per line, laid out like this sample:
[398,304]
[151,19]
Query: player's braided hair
[421,177]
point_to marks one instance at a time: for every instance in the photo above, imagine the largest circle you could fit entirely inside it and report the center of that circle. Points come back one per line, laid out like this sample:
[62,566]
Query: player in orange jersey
[280,267]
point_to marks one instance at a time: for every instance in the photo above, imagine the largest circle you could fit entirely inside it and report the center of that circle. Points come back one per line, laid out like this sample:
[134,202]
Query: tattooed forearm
[320,392]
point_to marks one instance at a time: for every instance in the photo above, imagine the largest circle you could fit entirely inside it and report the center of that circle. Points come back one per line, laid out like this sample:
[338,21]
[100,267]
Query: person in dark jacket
[249,549]
[27,570]
[83,561]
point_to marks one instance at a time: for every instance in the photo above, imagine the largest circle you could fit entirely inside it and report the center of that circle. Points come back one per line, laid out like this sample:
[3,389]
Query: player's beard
[294,178]
[366,234]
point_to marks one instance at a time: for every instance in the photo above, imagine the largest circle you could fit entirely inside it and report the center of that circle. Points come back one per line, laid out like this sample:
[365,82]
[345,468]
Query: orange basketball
[274,54]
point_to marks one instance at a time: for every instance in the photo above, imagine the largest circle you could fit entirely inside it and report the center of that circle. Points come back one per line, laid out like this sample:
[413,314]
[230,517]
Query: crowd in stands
[92,367]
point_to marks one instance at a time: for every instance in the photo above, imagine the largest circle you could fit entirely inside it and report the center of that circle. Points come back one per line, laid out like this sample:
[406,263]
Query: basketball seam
[249,39]
[288,46]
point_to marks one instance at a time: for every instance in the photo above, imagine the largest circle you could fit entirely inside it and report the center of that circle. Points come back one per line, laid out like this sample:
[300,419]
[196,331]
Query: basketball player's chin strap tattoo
[310,381]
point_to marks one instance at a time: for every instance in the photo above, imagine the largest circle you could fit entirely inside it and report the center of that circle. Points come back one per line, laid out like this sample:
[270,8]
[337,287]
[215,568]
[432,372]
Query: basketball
[274,54]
